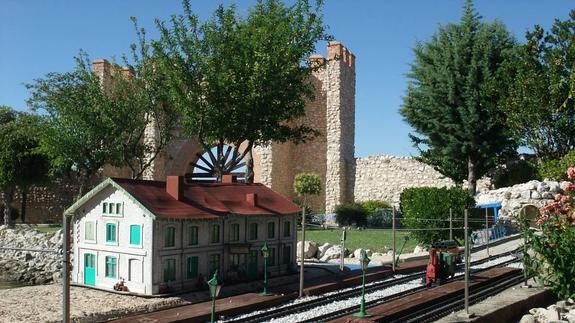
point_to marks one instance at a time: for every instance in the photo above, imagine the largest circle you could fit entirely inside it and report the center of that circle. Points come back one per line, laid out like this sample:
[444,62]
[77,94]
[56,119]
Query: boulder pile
[30,267]
[513,198]
[562,311]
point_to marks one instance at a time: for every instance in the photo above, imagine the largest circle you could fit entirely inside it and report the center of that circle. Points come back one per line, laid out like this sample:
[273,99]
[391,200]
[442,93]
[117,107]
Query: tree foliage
[241,79]
[91,123]
[451,100]
[426,209]
[539,97]
[307,184]
[21,162]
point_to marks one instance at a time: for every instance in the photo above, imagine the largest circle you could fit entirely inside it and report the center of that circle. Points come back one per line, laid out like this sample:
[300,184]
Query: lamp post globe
[266,254]
[215,287]
[364,261]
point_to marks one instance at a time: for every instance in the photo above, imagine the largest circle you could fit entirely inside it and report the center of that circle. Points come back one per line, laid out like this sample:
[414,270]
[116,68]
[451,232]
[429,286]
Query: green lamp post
[266,254]
[214,292]
[364,261]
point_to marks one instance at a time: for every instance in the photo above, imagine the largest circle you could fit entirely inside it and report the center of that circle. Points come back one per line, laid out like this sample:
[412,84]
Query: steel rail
[323,300]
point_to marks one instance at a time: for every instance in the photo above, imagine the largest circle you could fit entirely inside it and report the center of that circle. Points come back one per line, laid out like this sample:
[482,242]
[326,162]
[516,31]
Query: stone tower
[331,155]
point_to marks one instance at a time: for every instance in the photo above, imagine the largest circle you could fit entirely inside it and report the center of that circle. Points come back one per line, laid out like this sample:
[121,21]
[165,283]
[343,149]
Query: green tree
[21,163]
[451,99]
[90,123]
[539,97]
[305,184]
[241,79]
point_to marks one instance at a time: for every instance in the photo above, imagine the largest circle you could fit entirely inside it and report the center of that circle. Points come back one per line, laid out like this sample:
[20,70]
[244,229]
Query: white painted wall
[122,250]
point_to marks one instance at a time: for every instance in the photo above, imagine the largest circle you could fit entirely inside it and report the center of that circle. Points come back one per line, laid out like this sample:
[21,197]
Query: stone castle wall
[384,177]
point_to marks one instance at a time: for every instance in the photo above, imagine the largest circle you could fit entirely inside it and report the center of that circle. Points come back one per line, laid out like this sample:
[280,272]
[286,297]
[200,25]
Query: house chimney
[252,199]
[175,187]
[229,179]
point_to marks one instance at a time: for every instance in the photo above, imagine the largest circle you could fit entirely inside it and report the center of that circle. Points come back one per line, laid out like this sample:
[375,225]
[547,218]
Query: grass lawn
[377,240]
[47,229]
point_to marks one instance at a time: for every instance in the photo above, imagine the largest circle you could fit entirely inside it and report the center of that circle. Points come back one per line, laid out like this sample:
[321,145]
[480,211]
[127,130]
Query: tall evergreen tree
[451,99]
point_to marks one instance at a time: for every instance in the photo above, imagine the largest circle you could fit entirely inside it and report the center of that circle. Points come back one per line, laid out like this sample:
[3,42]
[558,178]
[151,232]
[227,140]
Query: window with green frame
[215,234]
[271,230]
[192,267]
[89,231]
[193,238]
[235,232]
[287,229]
[111,263]
[272,257]
[253,231]
[111,230]
[170,237]
[214,263]
[135,234]
[287,255]
[169,270]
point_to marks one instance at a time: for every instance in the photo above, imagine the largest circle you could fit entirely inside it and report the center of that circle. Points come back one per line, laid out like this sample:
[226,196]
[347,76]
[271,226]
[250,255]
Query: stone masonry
[384,177]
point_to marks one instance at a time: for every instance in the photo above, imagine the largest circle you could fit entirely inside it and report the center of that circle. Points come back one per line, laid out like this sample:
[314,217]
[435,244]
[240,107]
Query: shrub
[519,172]
[351,213]
[555,169]
[378,213]
[428,208]
[553,259]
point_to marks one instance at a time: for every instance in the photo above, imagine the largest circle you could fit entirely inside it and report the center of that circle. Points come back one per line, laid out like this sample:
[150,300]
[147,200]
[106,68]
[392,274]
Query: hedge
[422,207]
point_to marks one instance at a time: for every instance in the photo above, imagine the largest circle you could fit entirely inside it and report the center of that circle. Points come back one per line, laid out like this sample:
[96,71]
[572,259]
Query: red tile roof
[207,200]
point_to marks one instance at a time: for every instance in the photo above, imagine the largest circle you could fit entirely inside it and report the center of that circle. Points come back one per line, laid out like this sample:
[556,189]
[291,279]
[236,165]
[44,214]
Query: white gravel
[341,304]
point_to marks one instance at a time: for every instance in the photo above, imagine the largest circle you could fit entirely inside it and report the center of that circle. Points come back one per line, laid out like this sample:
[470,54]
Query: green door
[253,264]
[89,269]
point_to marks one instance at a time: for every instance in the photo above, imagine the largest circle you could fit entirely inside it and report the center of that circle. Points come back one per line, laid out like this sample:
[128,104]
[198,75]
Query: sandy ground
[44,304]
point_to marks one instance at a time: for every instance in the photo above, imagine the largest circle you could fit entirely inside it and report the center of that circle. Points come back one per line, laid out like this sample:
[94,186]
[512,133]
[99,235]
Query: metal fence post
[450,224]
[65,270]
[487,229]
[342,253]
[393,237]
[467,256]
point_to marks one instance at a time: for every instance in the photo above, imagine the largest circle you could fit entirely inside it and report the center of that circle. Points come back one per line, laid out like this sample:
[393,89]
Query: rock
[322,249]
[310,249]
[542,187]
[368,252]
[547,195]
[545,315]
[333,253]
[357,253]
[419,249]
[554,187]
[535,195]
[525,194]
[528,318]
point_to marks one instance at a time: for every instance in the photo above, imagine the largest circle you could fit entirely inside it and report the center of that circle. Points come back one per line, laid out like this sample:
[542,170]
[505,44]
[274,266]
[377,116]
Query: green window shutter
[192,267]
[215,233]
[104,208]
[111,267]
[111,232]
[253,231]
[271,230]
[118,208]
[193,235]
[89,231]
[272,257]
[169,270]
[170,237]
[135,234]
[287,229]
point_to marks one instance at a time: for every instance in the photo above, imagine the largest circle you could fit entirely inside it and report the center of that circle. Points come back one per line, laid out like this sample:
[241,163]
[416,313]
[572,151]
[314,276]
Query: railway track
[318,301]
[456,302]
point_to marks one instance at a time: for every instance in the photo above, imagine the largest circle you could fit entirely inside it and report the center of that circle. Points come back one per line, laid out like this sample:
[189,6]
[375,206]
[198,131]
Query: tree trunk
[471,175]
[23,204]
[7,196]
[250,167]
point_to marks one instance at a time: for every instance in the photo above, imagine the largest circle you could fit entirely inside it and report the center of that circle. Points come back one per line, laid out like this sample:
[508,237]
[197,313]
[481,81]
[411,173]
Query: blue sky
[42,36]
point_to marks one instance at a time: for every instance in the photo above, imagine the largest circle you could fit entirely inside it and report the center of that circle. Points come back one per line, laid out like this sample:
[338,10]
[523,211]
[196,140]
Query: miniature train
[443,258]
